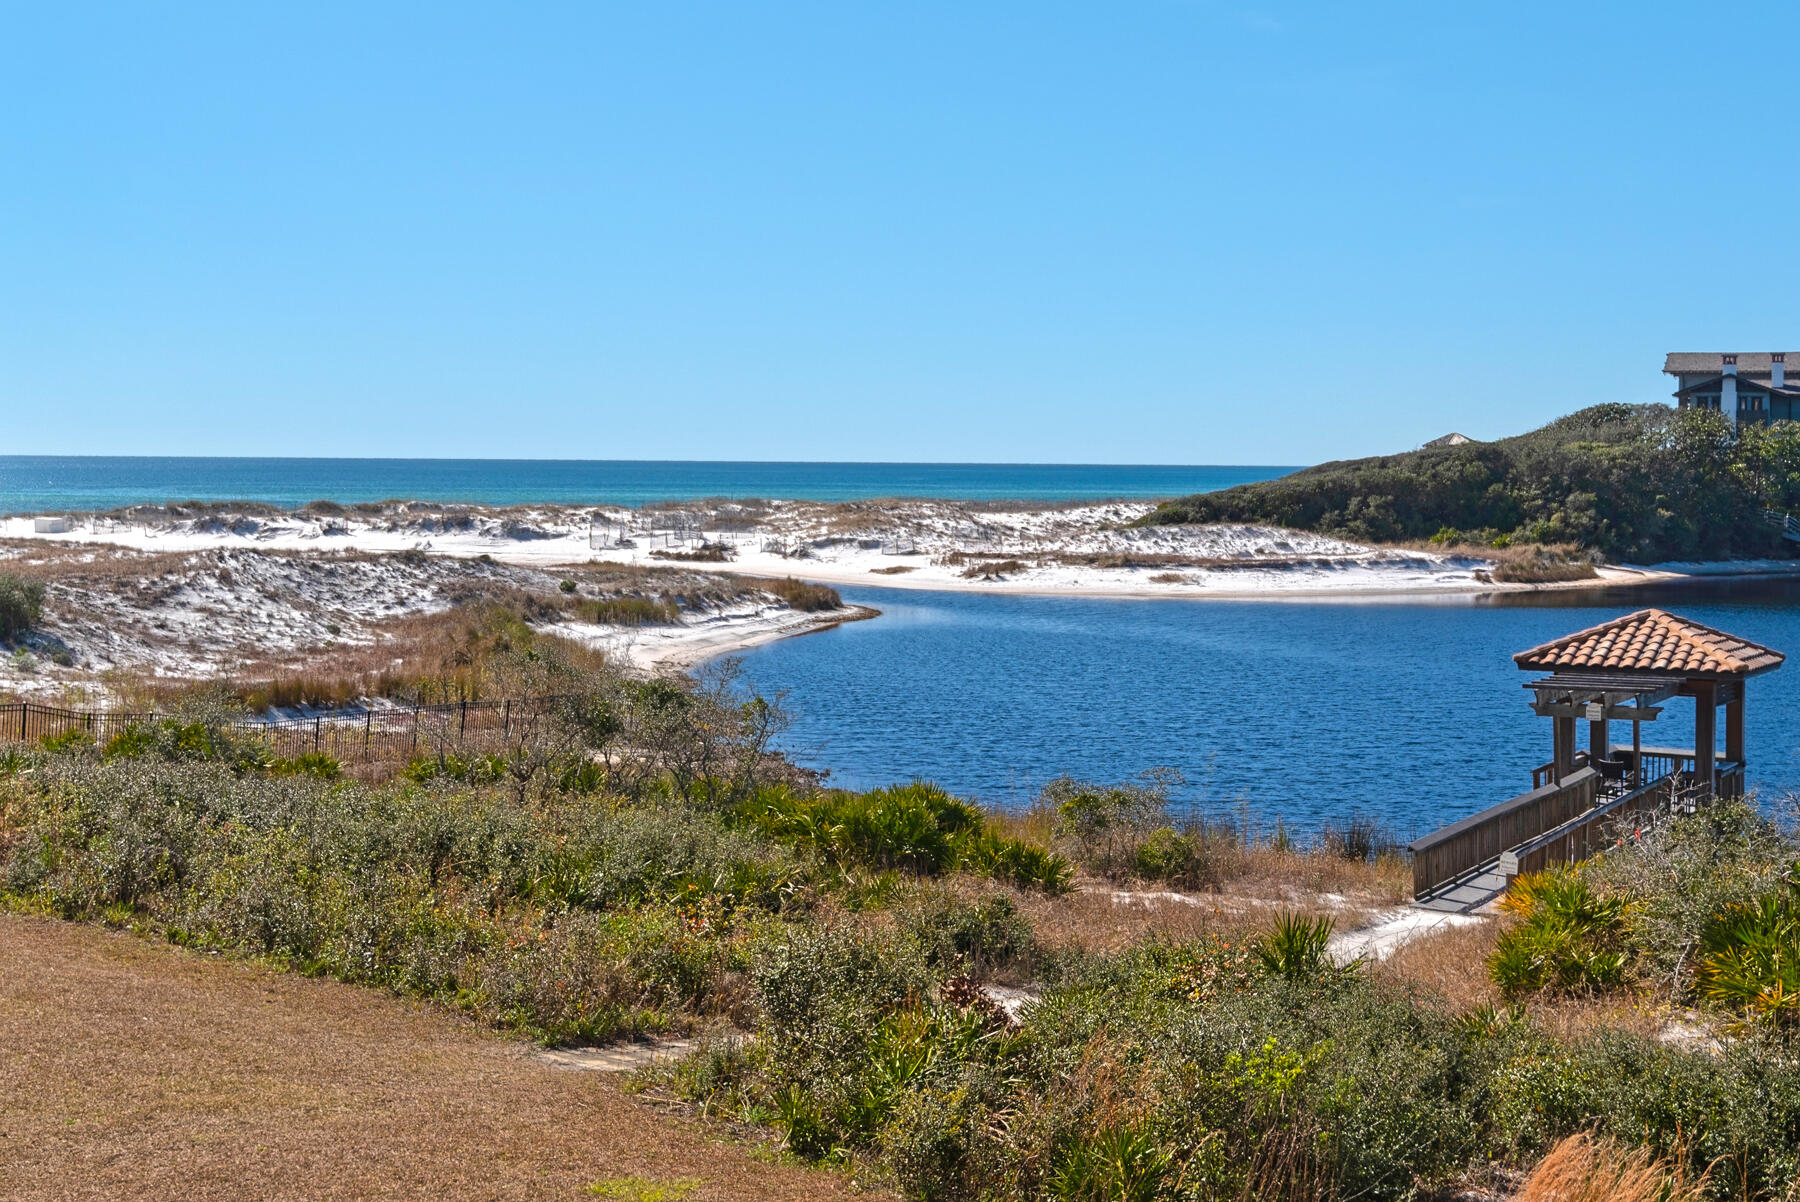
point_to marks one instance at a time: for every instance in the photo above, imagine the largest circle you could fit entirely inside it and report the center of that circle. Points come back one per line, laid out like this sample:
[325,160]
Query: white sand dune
[1089,550]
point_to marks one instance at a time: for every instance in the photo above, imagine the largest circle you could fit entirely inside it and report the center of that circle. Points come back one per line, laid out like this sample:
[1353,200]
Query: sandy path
[667,648]
[1390,930]
[133,1069]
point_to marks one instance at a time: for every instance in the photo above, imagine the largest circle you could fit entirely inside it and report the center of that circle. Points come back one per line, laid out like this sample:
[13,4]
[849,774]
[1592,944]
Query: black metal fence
[383,732]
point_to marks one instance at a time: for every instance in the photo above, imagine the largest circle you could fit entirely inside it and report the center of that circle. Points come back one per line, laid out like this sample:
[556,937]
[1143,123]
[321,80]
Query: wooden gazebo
[1624,670]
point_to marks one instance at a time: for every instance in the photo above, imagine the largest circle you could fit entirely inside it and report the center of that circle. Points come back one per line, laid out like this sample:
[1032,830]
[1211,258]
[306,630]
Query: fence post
[24,713]
[316,722]
[462,723]
[506,719]
[368,721]
[415,745]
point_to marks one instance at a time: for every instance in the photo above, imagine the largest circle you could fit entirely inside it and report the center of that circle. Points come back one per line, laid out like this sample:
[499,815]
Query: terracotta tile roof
[1651,640]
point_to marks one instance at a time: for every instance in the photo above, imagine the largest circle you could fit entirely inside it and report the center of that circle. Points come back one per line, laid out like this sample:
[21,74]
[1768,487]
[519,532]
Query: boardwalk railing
[383,732]
[1568,822]
[1604,826]
[1658,762]
[1451,851]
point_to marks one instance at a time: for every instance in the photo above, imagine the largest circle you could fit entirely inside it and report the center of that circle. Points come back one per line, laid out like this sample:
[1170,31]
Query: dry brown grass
[431,657]
[1449,963]
[1094,920]
[1584,1169]
[994,569]
[41,559]
[1543,565]
[893,569]
[1263,870]
[707,553]
[803,596]
[1528,563]
[1575,1019]
[1255,870]
[137,1070]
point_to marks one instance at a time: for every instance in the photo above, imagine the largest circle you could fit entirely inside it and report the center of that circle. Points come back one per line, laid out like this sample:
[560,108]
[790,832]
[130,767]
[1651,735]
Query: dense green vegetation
[1635,483]
[1209,1070]
[1706,910]
[572,888]
[600,871]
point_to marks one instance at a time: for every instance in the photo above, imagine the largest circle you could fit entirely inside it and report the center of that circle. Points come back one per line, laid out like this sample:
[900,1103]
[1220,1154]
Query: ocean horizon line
[939,463]
[84,483]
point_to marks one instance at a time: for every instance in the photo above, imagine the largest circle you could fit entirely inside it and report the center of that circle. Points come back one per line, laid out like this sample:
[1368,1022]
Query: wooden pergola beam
[1616,713]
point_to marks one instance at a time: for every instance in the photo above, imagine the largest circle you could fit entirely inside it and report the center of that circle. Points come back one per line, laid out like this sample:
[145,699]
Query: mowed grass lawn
[134,1069]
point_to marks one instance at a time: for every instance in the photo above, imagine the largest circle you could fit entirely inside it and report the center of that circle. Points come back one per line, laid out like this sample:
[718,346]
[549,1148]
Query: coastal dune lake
[1408,712]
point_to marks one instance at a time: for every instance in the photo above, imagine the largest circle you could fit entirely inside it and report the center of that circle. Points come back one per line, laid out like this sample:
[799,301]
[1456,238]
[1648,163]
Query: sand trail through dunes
[139,1070]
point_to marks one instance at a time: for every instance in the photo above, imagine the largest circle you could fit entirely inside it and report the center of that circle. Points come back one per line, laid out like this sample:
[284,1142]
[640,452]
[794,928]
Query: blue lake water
[57,483]
[1412,713]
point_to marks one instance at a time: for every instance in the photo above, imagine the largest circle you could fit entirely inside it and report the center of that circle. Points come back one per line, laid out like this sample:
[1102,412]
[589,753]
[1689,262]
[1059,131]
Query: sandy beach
[1085,550]
[195,591]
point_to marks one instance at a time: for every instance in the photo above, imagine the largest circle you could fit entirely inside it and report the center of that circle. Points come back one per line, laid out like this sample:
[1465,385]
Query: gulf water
[1408,712]
[65,483]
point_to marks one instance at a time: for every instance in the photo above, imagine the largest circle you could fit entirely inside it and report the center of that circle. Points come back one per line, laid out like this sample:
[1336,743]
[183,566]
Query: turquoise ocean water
[59,483]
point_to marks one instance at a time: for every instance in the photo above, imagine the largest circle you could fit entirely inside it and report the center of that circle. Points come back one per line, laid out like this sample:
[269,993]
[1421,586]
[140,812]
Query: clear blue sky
[1141,231]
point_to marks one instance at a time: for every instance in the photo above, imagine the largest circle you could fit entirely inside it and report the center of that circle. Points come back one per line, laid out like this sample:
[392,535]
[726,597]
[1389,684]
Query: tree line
[1636,483]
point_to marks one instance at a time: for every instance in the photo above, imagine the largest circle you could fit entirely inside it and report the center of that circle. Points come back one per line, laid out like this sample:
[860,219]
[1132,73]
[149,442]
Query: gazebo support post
[1563,743]
[1705,734]
[1637,753]
[1599,741]
[1734,726]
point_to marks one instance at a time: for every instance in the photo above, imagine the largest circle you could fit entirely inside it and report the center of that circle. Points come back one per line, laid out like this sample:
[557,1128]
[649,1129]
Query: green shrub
[1295,949]
[967,936]
[1018,863]
[1686,872]
[1569,939]
[1100,826]
[916,828]
[1192,860]
[311,763]
[448,766]
[1750,958]
[174,740]
[824,996]
[581,921]
[932,1142]
[67,742]
[1114,1164]
[21,605]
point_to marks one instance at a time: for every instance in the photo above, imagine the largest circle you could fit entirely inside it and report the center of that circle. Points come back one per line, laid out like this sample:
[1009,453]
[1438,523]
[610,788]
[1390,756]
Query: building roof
[1652,640]
[1749,363]
[1714,383]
